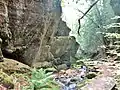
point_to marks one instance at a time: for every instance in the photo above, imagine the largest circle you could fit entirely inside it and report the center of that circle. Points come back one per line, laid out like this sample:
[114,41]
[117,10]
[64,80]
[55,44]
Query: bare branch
[85,15]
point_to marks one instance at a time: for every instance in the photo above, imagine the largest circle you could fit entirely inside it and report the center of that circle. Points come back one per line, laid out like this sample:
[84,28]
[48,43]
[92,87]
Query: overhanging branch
[85,15]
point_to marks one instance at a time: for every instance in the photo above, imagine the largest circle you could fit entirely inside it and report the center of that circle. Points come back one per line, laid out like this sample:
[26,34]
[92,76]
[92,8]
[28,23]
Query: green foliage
[112,35]
[115,32]
[40,80]
[5,79]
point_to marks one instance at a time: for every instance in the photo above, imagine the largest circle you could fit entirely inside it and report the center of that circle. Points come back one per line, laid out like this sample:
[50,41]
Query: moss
[91,75]
[6,80]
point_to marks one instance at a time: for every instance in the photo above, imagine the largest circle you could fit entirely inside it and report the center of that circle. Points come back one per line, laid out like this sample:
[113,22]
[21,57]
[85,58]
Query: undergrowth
[40,80]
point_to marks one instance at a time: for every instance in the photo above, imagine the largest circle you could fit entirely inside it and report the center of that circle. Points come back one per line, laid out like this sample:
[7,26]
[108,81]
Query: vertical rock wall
[33,25]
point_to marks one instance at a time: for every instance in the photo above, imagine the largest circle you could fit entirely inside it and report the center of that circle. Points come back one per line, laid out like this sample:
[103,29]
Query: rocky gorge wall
[33,32]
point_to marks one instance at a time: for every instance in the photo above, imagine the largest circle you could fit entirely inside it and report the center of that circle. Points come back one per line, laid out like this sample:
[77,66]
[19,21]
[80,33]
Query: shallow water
[70,82]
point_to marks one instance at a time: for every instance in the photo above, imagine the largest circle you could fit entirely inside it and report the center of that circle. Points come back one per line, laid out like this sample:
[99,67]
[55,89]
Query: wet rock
[71,86]
[71,72]
[68,79]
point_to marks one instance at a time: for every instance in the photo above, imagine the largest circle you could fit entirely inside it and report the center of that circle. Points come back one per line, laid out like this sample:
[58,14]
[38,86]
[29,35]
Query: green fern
[41,81]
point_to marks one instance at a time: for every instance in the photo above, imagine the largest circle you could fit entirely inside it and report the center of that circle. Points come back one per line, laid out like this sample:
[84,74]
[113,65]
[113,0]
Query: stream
[69,79]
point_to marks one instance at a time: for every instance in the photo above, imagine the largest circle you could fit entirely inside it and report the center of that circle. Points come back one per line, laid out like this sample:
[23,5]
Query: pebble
[69,81]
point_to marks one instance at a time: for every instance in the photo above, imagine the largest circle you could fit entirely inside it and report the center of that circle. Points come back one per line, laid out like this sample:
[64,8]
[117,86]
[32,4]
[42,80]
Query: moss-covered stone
[6,80]
[91,75]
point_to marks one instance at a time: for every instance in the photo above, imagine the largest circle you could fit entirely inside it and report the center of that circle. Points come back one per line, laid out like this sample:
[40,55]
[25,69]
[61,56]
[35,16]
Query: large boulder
[35,27]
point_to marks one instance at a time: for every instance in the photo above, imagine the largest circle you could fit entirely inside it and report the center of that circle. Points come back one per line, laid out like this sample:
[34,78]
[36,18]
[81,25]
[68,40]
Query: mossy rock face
[6,80]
